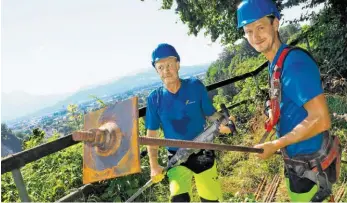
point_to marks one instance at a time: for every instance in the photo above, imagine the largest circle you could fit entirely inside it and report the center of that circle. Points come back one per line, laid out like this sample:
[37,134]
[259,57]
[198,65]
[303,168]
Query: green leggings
[301,197]
[207,183]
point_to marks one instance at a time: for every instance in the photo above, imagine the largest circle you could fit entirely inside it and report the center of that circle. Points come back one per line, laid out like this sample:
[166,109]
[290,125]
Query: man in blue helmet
[180,108]
[298,106]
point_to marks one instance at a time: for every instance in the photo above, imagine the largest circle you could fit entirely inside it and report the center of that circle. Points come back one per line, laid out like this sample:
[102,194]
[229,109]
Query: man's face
[168,68]
[261,34]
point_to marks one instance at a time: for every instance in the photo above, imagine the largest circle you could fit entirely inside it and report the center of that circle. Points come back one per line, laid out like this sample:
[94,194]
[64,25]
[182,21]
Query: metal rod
[18,180]
[197,145]
[76,194]
[143,188]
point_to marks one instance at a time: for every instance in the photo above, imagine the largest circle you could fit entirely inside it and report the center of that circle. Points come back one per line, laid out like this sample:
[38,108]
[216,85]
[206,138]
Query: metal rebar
[196,145]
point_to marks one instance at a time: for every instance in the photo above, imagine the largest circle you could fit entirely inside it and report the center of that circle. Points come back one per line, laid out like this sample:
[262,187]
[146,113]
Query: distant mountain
[55,103]
[18,103]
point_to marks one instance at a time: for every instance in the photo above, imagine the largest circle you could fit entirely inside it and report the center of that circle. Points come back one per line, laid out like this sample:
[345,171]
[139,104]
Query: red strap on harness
[275,91]
[332,155]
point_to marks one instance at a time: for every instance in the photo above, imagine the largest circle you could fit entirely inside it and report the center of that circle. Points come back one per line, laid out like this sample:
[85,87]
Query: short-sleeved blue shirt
[300,83]
[181,115]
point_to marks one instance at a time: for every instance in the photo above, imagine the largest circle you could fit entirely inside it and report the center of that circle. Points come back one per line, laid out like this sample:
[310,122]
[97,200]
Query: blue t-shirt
[181,115]
[300,83]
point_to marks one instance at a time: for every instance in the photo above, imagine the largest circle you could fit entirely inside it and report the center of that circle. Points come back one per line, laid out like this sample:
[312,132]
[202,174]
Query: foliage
[48,178]
[329,43]
[120,189]
[102,103]
[338,106]
[75,117]
[10,140]
[288,31]
[5,131]
[218,17]
[35,139]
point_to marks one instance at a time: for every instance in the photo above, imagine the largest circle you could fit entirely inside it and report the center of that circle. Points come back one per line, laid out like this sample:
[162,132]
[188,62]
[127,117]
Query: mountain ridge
[118,86]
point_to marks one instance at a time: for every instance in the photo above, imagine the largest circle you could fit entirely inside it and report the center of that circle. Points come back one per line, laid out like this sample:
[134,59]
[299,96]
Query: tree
[75,117]
[337,6]
[218,17]
[287,31]
[35,139]
[329,43]
[5,131]
[10,140]
[38,134]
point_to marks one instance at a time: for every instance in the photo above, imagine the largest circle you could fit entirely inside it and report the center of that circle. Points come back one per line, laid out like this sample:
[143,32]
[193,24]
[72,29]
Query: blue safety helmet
[163,51]
[252,10]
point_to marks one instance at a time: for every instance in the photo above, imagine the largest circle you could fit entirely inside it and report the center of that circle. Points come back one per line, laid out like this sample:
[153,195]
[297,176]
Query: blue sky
[59,46]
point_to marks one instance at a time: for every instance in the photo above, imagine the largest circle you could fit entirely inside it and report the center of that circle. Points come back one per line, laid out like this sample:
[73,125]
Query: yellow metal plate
[121,157]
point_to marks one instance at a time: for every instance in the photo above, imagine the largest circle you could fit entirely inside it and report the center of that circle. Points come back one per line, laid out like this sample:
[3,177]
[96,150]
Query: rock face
[9,142]
[5,150]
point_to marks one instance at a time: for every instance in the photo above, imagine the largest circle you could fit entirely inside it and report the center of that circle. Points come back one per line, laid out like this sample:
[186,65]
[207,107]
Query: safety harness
[311,166]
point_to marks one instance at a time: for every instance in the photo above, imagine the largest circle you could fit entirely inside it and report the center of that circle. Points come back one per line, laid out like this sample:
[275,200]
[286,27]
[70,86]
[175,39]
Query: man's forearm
[152,150]
[153,155]
[308,128]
